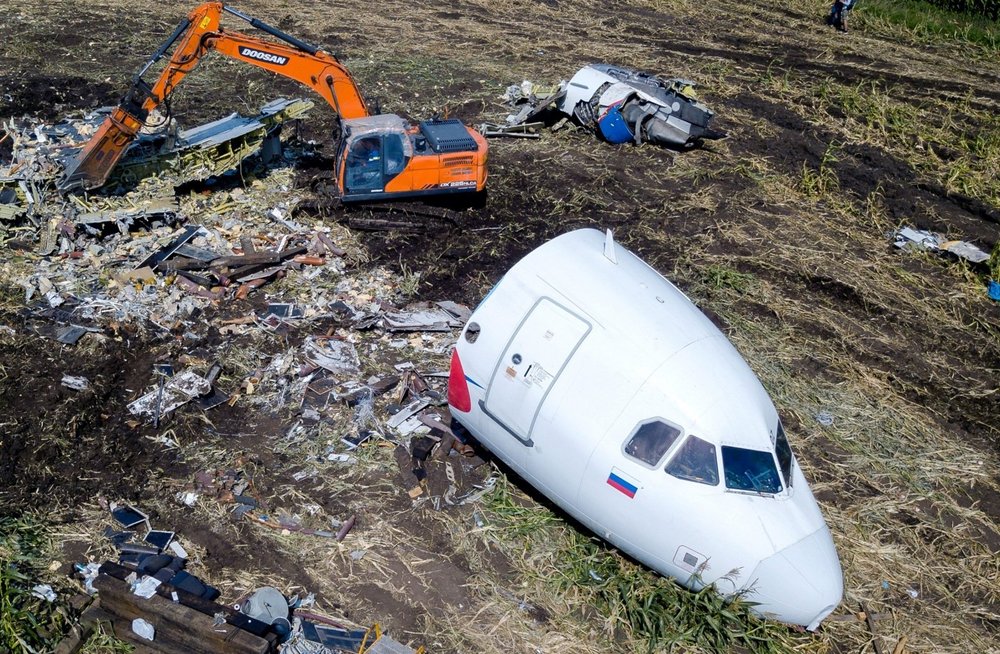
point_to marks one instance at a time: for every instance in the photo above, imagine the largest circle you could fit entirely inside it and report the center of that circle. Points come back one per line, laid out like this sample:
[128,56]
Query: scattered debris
[908,237]
[336,356]
[132,263]
[45,592]
[824,418]
[42,152]
[75,383]
[168,397]
[143,629]
[620,104]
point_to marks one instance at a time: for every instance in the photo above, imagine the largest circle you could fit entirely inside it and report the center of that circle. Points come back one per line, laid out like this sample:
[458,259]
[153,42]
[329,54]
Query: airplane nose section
[801,584]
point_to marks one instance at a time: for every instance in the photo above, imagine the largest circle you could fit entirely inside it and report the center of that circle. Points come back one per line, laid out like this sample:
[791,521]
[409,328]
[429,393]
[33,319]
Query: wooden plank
[871,627]
[189,600]
[181,263]
[193,638]
[78,635]
[72,642]
[178,623]
[247,259]
[121,629]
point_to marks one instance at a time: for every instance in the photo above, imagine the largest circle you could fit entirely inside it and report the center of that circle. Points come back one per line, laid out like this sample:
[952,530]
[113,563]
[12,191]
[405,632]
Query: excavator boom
[194,37]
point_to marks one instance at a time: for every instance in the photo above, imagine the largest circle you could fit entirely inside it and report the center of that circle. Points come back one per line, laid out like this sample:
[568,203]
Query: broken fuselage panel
[625,105]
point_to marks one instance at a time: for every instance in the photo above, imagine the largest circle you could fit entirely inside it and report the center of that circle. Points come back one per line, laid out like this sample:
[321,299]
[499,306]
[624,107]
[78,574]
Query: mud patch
[51,97]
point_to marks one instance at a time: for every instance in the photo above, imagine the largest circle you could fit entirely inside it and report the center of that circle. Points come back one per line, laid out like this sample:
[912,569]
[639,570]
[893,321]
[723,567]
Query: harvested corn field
[262,369]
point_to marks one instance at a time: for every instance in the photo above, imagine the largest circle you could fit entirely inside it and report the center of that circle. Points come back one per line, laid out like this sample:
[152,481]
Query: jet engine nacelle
[628,105]
[600,383]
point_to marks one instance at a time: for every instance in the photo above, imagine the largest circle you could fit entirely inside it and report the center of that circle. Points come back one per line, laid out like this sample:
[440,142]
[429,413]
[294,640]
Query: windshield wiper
[753,480]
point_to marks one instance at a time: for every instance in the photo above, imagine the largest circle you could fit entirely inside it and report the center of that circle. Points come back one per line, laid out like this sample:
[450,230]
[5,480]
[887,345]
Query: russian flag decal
[622,482]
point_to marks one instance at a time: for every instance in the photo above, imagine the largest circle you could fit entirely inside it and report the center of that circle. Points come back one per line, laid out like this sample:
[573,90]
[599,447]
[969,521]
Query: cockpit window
[651,441]
[695,461]
[784,453]
[750,470]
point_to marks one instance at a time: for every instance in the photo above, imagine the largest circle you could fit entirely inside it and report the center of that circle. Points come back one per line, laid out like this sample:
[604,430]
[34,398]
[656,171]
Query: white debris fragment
[927,240]
[407,412]
[89,573]
[420,320]
[143,629]
[178,391]
[45,592]
[411,426]
[339,357]
[187,498]
[146,588]
[179,551]
[75,383]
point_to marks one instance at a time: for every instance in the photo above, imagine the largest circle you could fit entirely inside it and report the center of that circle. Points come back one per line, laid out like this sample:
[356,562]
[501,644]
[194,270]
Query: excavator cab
[375,151]
[383,156]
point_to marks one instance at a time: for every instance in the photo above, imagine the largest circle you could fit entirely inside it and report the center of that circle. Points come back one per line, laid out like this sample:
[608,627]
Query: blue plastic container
[613,126]
[994,290]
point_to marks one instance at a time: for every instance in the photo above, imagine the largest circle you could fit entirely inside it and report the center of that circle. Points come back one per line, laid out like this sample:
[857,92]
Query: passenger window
[750,470]
[695,461]
[651,441]
[784,452]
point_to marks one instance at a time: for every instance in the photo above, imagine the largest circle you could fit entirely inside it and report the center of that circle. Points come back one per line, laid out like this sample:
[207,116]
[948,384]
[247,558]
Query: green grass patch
[28,624]
[634,601]
[101,642]
[924,21]
[718,277]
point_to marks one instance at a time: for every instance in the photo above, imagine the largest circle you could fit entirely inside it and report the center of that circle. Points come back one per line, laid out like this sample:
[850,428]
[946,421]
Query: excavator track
[411,217]
[394,216]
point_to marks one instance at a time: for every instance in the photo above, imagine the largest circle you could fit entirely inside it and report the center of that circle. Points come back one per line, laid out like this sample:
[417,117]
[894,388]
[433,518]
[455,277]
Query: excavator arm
[196,36]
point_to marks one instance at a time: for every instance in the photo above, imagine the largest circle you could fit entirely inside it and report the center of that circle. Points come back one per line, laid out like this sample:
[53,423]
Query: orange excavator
[379,156]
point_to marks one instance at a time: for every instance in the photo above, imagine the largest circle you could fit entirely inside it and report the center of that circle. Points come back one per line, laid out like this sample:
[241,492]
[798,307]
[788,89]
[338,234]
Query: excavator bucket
[90,168]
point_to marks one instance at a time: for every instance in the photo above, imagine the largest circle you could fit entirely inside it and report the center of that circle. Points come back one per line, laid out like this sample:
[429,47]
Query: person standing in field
[838,14]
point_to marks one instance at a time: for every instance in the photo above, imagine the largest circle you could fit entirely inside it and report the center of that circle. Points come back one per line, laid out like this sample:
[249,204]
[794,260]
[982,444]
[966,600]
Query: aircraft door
[530,364]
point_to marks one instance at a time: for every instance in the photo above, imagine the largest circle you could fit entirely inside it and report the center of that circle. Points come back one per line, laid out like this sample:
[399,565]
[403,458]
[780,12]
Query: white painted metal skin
[588,80]
[577,347]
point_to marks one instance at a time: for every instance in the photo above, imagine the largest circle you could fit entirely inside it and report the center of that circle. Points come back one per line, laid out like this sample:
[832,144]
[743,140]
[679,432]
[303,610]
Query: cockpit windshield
[784,452]
[695,461]
[750,470]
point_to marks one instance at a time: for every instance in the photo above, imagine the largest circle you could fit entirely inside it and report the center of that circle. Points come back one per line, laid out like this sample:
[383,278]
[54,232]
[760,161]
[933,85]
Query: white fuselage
[581,347]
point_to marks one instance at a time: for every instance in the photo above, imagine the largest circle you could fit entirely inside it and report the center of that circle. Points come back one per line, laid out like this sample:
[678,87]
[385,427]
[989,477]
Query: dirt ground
[779,232]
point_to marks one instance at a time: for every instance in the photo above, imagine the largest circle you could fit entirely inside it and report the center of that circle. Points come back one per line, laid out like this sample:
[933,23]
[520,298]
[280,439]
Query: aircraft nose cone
[801,584]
